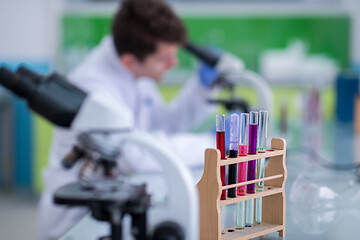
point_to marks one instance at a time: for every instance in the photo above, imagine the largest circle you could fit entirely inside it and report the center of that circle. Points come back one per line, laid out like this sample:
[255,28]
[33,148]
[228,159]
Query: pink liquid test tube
[243,151]
[220,144]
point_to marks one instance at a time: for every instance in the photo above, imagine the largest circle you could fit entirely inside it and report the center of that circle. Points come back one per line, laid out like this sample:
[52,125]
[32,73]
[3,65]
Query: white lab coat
[103,73]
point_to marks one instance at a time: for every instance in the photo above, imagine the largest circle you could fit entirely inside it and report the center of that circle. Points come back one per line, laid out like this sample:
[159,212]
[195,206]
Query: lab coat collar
[114,60]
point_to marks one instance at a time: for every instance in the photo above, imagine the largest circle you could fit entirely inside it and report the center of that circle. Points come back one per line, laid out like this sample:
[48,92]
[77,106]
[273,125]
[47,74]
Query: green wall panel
[79,31]
[43,135]
[246,37]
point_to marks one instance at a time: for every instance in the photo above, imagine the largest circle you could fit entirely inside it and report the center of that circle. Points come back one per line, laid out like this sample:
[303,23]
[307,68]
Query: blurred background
[308,50]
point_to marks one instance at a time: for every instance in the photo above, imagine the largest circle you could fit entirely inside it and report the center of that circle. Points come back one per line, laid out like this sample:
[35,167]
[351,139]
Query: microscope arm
[262,88]
[181,203]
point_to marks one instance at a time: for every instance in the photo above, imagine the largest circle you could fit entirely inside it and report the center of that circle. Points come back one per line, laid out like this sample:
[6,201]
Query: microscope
[103,128]
[231,72]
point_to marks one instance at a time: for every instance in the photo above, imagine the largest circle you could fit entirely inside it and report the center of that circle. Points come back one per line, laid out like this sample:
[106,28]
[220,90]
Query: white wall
[28,30]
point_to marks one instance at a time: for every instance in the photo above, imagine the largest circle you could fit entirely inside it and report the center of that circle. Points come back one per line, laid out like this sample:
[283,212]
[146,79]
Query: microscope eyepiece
[53,97]
[23,82]
[205,55]
[6,77]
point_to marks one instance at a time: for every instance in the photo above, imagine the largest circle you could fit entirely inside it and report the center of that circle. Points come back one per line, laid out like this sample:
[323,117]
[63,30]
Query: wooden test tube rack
[273,203]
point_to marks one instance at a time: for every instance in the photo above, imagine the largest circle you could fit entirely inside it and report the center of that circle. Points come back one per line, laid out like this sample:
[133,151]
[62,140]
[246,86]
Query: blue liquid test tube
[262,139]
[234,147]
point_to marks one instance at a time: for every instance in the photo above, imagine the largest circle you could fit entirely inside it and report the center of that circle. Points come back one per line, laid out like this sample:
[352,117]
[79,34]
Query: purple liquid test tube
[251,173]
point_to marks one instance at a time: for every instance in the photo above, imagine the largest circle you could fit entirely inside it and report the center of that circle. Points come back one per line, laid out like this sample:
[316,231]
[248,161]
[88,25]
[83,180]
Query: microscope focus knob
[169,231]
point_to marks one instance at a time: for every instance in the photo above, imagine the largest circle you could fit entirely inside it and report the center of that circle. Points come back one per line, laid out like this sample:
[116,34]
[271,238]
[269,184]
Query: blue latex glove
[207,75]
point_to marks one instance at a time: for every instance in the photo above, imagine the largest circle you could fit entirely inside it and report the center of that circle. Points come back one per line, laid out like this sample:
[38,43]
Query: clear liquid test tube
[262,140]
[263,130]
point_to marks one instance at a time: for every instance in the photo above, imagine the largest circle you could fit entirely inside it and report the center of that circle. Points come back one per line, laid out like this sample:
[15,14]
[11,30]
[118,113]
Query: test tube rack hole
[273,203]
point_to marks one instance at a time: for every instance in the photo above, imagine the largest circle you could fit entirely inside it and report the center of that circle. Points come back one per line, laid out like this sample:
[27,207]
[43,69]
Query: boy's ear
[129,61]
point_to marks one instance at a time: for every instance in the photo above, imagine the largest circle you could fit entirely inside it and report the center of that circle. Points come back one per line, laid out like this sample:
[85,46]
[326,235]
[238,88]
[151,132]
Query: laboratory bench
[322,188]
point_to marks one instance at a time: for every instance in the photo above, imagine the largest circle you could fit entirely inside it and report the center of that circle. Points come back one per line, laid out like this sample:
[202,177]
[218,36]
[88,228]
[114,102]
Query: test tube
[240,215]
[263,130]
[233,148]
[251,170]
[243,151]
[243,148]
[262,138]
[249,221]
[220,144]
